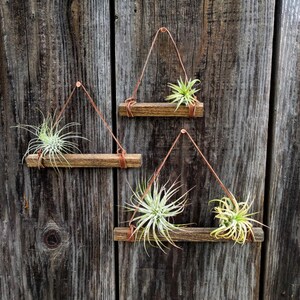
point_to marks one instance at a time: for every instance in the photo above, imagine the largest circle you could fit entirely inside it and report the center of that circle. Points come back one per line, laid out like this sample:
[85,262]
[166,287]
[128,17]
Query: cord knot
[193,107]
[121,153]
[130,234]
[129,102]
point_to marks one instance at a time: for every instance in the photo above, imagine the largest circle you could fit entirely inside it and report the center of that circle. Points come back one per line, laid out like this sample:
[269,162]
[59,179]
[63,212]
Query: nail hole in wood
[52,239]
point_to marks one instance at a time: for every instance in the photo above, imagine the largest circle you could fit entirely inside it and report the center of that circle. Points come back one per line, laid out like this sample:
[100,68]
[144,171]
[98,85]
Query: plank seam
[270,142]
[114,129]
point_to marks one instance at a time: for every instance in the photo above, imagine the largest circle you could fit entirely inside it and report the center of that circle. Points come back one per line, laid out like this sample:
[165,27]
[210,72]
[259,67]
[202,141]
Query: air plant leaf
[235,221]
[183,93]
[155,211]
[51,139]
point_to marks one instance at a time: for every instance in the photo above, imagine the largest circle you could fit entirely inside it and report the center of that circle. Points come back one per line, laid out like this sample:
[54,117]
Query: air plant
[51,139]
[183,92]
[234,220]
[155,210]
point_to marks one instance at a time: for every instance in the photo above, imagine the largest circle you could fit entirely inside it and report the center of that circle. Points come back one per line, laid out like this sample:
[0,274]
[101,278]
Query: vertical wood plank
[282,275]
[227,45]
[57,229]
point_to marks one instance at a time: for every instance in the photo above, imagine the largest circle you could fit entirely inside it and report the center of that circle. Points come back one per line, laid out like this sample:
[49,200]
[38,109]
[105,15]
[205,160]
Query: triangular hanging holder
[188,108]
[186,234]
[108,160]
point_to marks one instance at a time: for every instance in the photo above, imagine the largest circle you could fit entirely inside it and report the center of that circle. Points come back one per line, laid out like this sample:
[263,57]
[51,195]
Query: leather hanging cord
[121,151]
[132,100]
[66,104]
[157,172]
[222,185]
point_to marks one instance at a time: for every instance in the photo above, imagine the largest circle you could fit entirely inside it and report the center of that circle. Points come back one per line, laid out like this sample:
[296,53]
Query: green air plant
[234,220]
[51,139]
[183,92]
[155,211]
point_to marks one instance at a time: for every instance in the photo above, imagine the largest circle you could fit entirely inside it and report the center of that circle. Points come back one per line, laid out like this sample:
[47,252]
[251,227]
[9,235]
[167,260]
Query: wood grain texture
[160,110]
[85,161]
[282,261]
[228,46]
[56,229]
[193,234]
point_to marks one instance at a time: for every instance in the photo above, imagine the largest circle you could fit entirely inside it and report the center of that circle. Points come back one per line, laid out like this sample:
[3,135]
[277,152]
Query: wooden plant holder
[186,234]
[160,110]
[85,161]
[131,108]
[119,160]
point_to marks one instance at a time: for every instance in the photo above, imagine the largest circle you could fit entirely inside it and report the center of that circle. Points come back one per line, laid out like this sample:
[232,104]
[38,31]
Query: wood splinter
[191,234]
[86,161]
[160,110]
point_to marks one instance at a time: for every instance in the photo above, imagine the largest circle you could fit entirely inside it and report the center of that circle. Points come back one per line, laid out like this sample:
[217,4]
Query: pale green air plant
[155,211]
[234,220]
[51,140]
[183,92]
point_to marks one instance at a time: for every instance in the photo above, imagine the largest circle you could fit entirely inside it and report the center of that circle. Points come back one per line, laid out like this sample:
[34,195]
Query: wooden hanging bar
[85,161]
[191,234]
[160,109]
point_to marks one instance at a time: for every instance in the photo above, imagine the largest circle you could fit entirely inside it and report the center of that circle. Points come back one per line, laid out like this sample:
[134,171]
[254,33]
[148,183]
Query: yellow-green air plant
[183,93]
[51,139]
[235,221]
[155,212]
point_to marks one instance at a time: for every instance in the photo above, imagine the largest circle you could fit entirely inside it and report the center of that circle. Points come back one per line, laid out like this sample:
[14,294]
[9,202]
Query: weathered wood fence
[57,229]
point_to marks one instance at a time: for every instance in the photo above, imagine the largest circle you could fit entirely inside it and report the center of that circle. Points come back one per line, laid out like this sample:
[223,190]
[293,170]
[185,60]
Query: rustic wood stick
[160,110]
[191,234]
[86,161]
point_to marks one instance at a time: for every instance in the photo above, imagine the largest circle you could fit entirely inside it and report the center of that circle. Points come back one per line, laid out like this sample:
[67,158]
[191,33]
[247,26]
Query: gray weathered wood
[282,264]
[228,46]
[56,229]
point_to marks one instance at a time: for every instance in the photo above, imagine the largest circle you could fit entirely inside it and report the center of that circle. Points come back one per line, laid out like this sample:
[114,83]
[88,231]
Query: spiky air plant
[235,221]
[183,92]
[51,139]
[155,211]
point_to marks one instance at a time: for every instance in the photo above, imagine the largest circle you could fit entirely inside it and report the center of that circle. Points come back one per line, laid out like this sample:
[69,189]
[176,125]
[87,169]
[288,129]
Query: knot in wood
[52,238]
